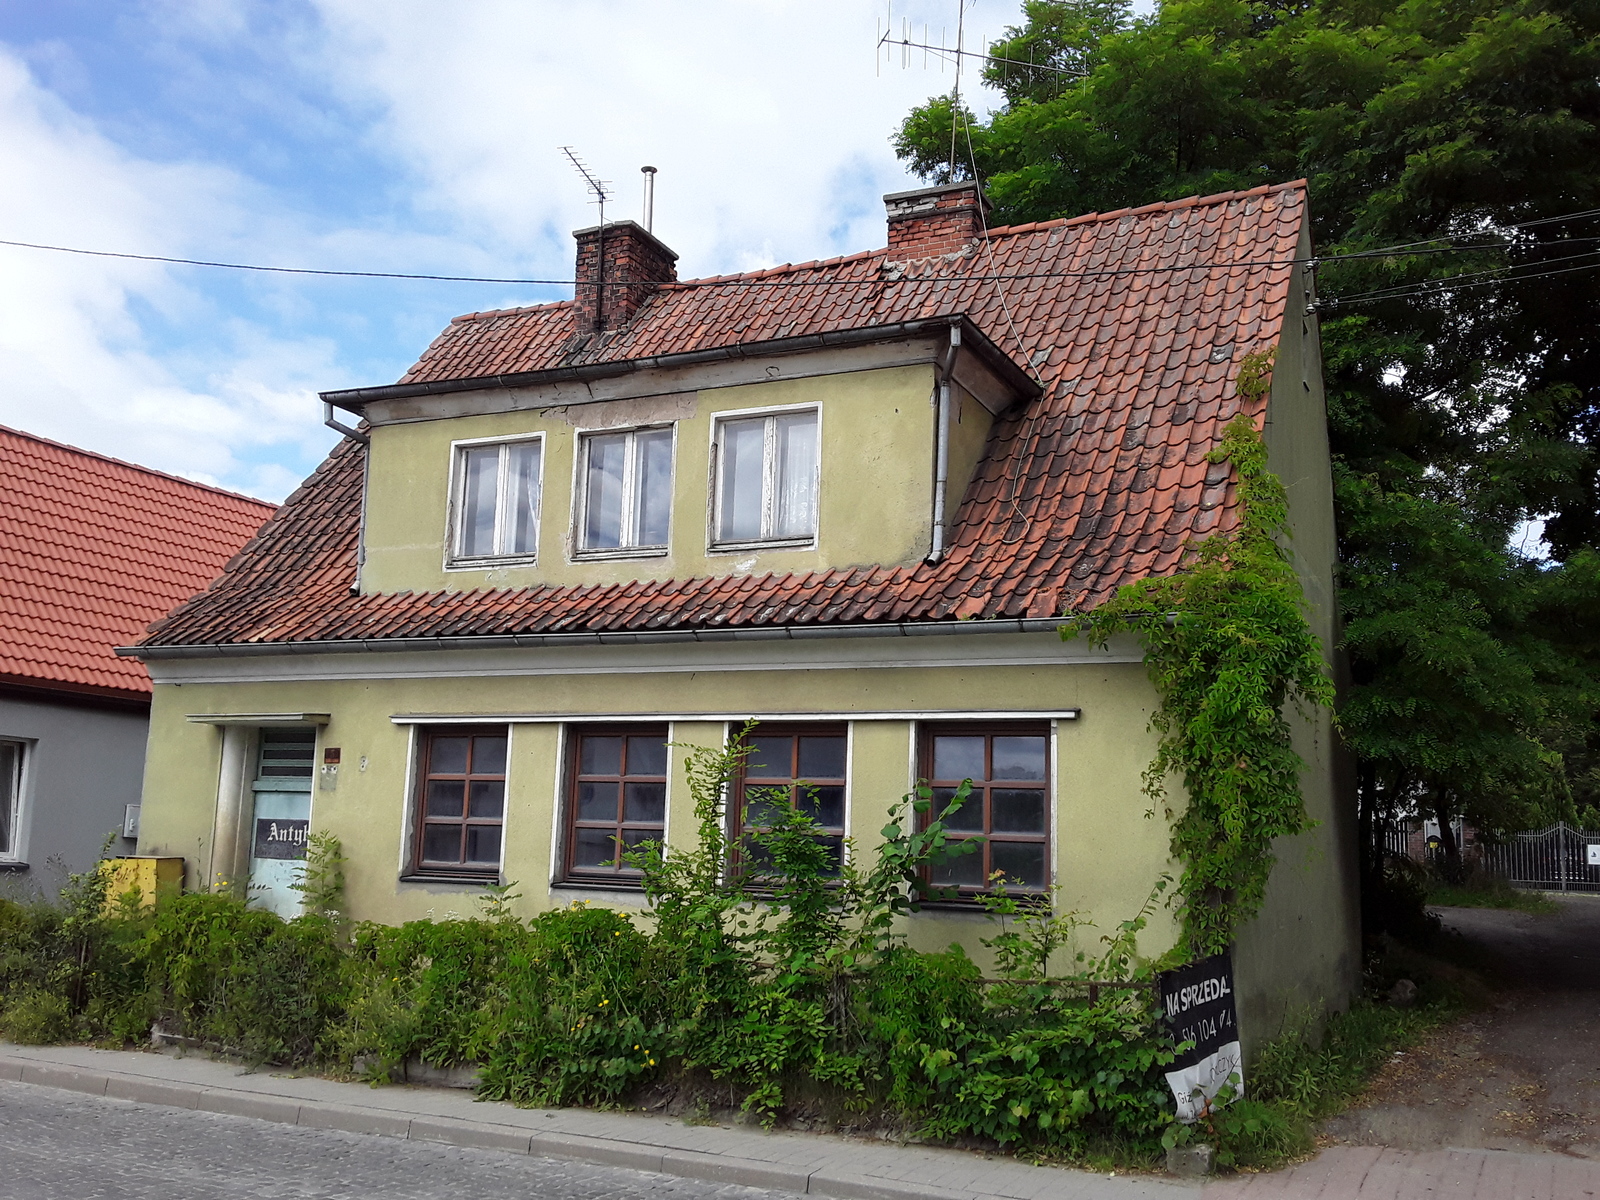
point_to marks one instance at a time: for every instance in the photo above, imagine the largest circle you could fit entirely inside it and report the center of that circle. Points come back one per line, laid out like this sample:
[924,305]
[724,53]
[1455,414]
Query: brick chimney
[934,220]
[635,263]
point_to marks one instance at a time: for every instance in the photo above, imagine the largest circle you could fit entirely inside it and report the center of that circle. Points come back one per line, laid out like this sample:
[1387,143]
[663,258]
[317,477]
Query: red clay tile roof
[91,551]
[1101,480]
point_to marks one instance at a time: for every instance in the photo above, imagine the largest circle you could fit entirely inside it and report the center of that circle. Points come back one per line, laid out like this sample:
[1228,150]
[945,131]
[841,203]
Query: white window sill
[491,564]
[805,543]
[621,553]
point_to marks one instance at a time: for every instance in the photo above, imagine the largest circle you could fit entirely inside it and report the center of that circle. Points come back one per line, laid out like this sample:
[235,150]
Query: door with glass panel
[282,818]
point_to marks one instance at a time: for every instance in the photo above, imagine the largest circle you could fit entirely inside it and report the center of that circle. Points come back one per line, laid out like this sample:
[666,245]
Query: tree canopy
[1452,151]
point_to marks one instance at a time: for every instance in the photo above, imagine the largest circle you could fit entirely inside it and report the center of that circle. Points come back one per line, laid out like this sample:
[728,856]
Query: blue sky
[395,136]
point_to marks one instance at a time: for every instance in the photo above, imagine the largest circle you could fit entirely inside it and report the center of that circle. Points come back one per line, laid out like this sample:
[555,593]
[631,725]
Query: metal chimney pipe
[649,198]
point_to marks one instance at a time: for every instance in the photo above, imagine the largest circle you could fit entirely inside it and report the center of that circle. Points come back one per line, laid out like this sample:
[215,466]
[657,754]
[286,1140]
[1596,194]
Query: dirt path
[1522,1075]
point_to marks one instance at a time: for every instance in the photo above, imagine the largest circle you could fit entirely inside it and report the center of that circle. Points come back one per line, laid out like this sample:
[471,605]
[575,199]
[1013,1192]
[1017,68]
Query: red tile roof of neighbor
[91,551]
[1099,481]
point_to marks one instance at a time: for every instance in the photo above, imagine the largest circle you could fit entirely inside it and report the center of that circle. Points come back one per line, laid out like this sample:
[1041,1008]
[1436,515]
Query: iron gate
[1558,859]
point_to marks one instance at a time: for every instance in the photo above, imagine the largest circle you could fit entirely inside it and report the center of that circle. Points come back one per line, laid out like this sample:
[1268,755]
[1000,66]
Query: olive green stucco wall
[875,501]
[1107,854]
[1301,955]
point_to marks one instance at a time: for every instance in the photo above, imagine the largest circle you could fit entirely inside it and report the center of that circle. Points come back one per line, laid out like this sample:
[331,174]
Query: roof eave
[355,400]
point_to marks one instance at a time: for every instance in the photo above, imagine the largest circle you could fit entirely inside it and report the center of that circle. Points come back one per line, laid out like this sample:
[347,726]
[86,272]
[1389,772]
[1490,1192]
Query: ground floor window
[616,800]
[799,766]
[461,801]
[11,756]
[1009,805]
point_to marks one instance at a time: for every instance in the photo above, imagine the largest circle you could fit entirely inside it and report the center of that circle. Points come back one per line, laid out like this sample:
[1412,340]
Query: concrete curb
[830,1180]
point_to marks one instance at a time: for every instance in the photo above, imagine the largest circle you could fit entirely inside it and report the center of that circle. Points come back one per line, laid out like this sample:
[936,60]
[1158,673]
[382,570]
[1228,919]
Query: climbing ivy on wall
[1229,650]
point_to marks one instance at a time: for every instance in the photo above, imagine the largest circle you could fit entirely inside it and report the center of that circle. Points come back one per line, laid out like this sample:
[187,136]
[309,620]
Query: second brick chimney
[934,220]
[635,264]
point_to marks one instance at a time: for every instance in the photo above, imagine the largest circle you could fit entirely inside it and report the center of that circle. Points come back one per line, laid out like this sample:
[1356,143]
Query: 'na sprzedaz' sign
[1197,1006]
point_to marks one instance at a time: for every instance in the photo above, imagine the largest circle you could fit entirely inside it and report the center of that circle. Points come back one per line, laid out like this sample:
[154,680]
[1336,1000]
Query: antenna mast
[601,195]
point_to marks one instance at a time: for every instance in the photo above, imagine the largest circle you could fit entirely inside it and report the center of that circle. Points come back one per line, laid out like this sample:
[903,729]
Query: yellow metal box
[146,875]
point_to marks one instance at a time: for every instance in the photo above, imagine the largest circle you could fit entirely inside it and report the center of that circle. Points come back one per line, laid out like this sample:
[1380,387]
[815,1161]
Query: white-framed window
[625,491]
[496,491]
[767,477]
[12,757]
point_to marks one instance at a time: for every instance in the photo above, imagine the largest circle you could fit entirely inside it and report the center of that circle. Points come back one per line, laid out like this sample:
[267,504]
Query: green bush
[782,984]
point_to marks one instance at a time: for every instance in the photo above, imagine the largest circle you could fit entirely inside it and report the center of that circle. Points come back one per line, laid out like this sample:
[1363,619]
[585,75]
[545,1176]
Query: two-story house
[849,498]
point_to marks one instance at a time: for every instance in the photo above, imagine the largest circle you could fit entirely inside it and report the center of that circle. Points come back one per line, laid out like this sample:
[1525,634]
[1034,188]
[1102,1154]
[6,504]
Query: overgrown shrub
[783,982]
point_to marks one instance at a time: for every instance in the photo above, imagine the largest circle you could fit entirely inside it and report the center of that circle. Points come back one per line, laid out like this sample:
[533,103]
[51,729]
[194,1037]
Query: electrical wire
[748,281]
[1475,279]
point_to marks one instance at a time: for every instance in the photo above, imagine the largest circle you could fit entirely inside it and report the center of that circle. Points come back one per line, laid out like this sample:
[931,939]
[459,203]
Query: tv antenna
[601,195]
[600,187]
[943,53]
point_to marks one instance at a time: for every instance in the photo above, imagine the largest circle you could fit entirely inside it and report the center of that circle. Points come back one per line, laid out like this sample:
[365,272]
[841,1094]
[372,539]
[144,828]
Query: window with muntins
[626,491]
[461,801]
[616,802]
[802,767]
[497,488]
[11,754]
[1009,805]
[767,474]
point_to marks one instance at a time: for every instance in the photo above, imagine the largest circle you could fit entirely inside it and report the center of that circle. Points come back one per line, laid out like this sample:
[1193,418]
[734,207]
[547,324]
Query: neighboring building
[851,498]
[91,551]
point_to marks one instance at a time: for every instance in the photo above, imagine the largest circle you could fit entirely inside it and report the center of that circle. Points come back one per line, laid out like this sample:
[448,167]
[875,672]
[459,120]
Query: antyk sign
[1197,1006]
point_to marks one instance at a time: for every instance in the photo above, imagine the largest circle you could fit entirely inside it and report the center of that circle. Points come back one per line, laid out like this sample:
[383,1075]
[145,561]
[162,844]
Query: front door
[282,818]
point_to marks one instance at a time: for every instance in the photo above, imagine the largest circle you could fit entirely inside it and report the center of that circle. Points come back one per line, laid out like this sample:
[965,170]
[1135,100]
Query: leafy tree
[1453,155]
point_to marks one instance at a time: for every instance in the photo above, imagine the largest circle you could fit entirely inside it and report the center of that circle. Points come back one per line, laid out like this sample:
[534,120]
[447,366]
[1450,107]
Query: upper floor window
[767,478]
[497,499]
[626,491]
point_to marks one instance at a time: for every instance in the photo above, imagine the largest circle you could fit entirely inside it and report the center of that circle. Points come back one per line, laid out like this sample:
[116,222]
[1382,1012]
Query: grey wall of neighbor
[84,766]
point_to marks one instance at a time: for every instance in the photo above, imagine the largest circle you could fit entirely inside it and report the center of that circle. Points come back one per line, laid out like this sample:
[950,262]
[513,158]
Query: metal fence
[1558,859]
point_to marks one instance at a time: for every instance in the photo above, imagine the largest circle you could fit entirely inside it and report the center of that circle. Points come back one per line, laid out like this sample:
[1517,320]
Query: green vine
[1228,648]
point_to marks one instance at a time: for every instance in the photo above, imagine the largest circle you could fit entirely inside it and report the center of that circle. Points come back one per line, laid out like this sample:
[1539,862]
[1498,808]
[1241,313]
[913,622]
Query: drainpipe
[355,435]
[941,453]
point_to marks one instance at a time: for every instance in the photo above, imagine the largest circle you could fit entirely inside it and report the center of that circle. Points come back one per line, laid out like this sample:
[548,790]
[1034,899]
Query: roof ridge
[133,466]
[816,264]
[1183,202]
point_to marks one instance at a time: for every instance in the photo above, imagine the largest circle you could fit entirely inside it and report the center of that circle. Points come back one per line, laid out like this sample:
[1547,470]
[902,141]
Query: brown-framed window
[799,765]
[617,799]
[1009,766]
[461,801]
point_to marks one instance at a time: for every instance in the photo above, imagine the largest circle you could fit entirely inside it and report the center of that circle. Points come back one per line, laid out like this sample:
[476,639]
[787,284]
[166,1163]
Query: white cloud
[76,360]
[767,118]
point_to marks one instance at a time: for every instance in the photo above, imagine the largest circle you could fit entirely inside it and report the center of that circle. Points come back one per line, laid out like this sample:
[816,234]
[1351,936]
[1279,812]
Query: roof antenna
[649,198]
[598,187]
[955,92]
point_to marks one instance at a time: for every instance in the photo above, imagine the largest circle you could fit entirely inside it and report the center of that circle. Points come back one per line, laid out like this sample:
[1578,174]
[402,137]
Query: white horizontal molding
[1041,649]
[259,718]
[568,718]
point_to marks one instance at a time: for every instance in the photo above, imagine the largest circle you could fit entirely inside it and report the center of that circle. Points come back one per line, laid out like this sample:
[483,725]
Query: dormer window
[766,486]
[496,510]
[625,492]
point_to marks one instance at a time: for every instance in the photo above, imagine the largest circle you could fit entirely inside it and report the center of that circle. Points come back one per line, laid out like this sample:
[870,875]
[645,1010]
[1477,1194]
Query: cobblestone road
[58,1146]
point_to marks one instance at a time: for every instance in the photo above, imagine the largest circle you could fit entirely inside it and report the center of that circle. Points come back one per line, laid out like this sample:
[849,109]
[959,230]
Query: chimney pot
[934,220]
[636,263]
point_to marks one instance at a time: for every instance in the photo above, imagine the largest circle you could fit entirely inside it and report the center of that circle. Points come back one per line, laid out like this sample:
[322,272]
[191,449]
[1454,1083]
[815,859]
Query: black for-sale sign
[1197,1006]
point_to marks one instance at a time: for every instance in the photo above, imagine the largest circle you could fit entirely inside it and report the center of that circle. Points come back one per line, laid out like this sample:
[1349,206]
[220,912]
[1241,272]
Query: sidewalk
[817,1164]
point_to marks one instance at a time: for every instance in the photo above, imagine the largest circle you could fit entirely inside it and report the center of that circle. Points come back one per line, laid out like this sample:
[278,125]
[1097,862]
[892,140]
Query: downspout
[941,451]
[355,435]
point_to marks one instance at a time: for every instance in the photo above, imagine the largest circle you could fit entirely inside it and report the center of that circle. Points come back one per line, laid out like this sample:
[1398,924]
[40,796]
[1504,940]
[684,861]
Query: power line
[1411,248]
